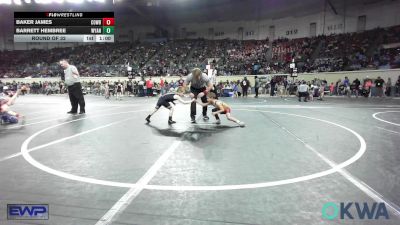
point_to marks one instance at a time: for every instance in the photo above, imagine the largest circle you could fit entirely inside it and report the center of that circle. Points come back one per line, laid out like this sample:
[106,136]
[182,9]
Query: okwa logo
[355,210]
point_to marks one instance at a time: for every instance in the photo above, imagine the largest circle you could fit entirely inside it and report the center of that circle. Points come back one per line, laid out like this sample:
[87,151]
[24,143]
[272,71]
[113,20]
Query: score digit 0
[108,30]
[108,21]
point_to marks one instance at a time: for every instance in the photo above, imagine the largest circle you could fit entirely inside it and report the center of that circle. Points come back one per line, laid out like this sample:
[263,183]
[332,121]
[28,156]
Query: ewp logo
[27,212]
[331,210]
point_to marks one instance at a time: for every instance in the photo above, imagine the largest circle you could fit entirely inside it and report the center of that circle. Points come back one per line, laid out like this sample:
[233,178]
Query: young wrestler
[220,108]
[165,101]
[6,115]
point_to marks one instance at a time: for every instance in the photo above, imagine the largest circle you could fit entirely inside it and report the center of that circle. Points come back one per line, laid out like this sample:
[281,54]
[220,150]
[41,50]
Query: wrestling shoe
[218,122]
[193,120]
[206,118]
[148,119]
[171,122]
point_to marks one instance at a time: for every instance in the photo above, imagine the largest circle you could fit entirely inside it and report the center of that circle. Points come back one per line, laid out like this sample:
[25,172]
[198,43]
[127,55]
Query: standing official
[303,91]
[74,86]
[199,83]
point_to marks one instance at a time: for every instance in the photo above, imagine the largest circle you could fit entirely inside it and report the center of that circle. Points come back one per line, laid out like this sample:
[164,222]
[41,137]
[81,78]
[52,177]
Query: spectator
[356,87]
[129,88]
[285,86]
[347,88]
[367,87]
[149,87]
[181,81]
[388,91]
[245,86]
[235,89]
[141,87]
[337,52]
[239,88]
[397,87]
[162,86]
[379,82]
[256,85]
[273,86]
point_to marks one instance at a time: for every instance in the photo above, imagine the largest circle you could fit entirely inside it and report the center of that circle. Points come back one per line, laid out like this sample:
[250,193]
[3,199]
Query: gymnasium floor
[109,167]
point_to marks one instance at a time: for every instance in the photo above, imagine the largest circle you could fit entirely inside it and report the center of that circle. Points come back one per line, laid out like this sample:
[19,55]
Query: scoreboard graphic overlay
[64,26]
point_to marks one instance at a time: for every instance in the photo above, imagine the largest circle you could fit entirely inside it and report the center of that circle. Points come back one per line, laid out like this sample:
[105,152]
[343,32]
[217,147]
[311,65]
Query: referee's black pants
[196,91]
[76,97]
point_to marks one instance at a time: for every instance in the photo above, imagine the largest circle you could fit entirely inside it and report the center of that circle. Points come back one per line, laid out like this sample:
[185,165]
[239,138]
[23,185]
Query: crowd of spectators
[374,49]
[138,88]
[278,85]
[170,59]
[138,55]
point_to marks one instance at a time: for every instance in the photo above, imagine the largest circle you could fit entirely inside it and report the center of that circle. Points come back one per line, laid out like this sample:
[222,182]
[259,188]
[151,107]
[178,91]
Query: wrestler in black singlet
[165,100]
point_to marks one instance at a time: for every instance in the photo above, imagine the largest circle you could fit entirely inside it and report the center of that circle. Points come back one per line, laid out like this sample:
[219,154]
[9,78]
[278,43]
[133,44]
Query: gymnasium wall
[382,14]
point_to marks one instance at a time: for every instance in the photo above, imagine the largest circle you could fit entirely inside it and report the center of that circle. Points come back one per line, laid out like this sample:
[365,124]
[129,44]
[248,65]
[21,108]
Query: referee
[73,83]
[199,82]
